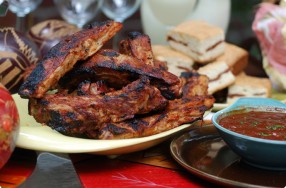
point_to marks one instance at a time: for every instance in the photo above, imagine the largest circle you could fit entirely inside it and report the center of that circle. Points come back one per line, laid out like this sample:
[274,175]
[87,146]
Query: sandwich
[219,75]
[200,40]
[177,62]
[235,57]
[249,86]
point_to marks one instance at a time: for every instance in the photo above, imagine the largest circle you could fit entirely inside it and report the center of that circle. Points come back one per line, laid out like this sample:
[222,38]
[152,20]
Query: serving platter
[202,152]
[36,136]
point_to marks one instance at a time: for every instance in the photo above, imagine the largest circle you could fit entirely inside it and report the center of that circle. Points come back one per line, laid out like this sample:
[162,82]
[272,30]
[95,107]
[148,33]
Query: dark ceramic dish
[202,152]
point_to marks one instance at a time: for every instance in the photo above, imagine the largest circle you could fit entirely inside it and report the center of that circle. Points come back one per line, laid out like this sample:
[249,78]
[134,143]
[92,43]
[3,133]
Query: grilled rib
[178,112]
[194,84]
[77,114]
[139,46]
[189,108]
[63,56]
[119,69]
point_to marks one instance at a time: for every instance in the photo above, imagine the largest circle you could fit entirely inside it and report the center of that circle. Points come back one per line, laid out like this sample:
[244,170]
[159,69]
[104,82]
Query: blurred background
[238,31]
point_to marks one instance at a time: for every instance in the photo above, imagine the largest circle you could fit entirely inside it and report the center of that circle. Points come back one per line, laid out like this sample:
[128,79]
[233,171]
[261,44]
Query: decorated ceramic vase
[17,53]
[48,33]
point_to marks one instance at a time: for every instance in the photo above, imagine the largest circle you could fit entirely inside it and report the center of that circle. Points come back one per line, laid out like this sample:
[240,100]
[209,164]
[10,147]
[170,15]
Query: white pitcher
[160,15]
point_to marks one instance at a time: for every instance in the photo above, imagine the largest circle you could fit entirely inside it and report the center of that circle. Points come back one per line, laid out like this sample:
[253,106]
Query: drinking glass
[119,10]
[78,12]
[21,8]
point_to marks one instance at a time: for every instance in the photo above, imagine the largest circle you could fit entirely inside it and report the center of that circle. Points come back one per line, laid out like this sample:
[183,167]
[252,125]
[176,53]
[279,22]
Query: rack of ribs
[189,108]
[118,69]
[79,113]
[100,93]
[63,56]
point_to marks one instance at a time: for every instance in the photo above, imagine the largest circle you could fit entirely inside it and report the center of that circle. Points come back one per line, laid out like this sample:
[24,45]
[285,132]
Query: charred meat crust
[189,108]
[139,46]
[104,94]
[188,111]
[194,84]
[63,56]
[181,112]
[108,62]
[81,113]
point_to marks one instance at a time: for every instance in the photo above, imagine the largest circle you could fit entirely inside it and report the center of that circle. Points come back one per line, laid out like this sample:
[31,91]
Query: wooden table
[153,167]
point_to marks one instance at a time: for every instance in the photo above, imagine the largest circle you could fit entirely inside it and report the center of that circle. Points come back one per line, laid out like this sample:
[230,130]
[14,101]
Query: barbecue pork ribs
[119,69]
[83,90]
[62,57]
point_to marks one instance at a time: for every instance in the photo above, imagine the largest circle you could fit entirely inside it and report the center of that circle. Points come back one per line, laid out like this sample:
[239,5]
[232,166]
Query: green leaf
[264,134]
[275,127]
[254,123]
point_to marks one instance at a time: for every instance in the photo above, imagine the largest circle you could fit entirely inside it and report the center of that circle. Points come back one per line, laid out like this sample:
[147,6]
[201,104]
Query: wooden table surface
[153,167]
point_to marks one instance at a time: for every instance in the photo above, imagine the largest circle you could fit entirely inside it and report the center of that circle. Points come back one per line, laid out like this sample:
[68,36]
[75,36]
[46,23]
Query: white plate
[274,94]
[219,106]
[36,136]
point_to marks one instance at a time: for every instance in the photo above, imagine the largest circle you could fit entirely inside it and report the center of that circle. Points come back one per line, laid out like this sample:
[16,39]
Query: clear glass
[119,10]
[21,8]
[78,12]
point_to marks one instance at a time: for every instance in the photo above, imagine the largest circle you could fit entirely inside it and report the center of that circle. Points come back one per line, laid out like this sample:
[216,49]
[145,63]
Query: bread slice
[219,75]
[235,57]
[249,86]
[177,62]
[200,40]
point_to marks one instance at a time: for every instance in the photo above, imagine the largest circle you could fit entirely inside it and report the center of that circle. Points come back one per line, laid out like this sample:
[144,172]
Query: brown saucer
[203,152]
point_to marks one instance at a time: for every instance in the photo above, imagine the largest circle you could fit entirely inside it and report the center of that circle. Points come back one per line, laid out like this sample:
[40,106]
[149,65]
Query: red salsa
[260,124]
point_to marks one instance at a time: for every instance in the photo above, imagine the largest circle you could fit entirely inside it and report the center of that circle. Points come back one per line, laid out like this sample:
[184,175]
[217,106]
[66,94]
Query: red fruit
[9,125]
